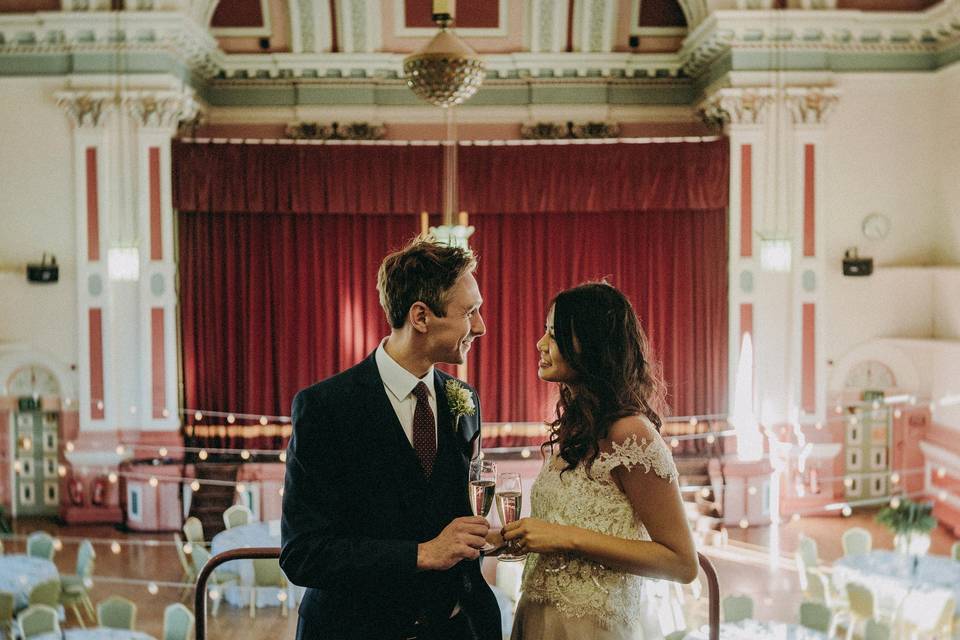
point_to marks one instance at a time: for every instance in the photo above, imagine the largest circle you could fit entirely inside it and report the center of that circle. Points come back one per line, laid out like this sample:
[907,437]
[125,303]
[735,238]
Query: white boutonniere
[460,401]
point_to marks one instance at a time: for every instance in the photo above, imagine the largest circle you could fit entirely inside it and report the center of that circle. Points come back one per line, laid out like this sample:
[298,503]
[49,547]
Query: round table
[257,534]
[20,573]
[891,576]
[756,630]
[96,633]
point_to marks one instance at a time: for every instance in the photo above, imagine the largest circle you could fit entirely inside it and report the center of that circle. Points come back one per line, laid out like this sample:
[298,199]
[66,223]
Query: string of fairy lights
[853,414]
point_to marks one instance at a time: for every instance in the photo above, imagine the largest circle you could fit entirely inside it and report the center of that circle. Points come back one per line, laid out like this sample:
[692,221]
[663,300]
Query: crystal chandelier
[446,71]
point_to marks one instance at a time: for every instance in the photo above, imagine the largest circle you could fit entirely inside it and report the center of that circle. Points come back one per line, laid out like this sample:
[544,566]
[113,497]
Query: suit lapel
[383,419]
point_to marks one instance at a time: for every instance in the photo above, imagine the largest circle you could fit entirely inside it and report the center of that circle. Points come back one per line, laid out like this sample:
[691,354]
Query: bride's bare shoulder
[632,427]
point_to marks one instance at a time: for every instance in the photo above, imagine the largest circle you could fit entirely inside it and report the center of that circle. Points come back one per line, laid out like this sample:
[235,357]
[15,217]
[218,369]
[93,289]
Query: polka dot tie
[424,430]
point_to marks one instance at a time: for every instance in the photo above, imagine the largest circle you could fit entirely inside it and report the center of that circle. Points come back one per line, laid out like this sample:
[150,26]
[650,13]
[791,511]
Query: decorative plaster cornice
[766,38]
[170,32]
[502,66]
[846,31]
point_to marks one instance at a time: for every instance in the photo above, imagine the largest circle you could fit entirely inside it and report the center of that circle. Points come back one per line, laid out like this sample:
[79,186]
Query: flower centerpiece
[911,523]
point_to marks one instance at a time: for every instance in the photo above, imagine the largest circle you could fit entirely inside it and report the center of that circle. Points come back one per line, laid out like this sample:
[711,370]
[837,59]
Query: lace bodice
[576,586]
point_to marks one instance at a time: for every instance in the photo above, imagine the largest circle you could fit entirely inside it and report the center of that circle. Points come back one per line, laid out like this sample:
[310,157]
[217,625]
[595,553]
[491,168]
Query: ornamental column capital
[810,105]
[736,106]
[86,109]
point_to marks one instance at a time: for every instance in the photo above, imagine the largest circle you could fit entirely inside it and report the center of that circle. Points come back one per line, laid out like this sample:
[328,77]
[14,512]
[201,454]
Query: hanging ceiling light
[446,71]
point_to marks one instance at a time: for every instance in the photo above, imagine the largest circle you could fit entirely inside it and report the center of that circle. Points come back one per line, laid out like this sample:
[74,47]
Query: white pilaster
[547,25]
[91,113]
[156,114]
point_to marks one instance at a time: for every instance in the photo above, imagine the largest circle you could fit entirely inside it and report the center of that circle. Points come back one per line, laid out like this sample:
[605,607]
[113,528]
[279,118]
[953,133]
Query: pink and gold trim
[746,201]
[96,364]
[156,232]
[93,207]
[808,393]
[809,211]
[158,363]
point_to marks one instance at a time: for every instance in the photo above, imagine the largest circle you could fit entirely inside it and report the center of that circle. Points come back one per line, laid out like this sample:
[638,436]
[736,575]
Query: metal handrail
[713,595]
[200,596]
[267,553]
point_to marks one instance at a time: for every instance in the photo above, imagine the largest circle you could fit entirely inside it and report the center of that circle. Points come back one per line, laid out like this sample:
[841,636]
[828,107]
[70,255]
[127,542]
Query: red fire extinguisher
[75,491]
[99,490]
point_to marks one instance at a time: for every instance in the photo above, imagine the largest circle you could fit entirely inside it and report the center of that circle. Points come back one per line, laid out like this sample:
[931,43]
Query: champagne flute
[509,495]
[481,487]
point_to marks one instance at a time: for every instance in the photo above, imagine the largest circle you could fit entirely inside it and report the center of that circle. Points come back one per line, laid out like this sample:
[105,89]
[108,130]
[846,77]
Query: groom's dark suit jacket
[356,503]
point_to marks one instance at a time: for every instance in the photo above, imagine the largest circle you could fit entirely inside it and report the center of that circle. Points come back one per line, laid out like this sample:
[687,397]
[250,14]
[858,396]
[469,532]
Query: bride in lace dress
[606,508]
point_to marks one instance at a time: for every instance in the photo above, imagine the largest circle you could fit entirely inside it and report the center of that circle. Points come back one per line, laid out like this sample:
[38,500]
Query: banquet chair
[927,615]
[876,630]
[117,613]
[816,616]
[737,608]
[267,573]
[40,545]
[37,620]
[856,541]
[806,557]
[237,516]
[193,531]
[46,593]
[219,578]
[820,590]
[861,606]
[73,590]
[177,622]
[189,575]
[6,614]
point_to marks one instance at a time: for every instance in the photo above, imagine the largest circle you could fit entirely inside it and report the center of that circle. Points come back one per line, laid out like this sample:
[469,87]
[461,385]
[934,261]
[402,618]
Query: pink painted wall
[279,36]
[513,41]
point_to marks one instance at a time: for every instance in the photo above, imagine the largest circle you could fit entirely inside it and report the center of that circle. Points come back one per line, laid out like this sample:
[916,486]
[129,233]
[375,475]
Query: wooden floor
[746,566]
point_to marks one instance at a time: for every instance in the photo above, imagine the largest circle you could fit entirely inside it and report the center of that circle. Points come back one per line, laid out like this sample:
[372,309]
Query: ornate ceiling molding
[788,31]
[171,33]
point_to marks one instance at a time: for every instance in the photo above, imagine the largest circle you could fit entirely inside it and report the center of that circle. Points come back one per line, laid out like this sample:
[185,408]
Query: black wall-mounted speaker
[45,272]
[854,265]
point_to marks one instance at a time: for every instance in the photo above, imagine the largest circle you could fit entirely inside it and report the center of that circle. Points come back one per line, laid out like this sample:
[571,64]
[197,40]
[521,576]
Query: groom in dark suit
[376,519]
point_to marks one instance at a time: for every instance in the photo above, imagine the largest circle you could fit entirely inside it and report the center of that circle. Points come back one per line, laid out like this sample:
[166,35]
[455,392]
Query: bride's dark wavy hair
[600,337]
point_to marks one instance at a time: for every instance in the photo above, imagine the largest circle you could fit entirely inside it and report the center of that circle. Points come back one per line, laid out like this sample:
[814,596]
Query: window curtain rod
[463,143]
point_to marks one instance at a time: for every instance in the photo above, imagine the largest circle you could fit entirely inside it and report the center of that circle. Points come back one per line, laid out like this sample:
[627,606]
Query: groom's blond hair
[423,271]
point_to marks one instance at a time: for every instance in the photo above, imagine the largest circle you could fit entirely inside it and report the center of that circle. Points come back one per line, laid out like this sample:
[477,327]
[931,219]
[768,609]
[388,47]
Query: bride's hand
[538,536]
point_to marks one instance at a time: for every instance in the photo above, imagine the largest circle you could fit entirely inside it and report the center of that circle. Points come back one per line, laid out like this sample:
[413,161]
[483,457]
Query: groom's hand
[459,540]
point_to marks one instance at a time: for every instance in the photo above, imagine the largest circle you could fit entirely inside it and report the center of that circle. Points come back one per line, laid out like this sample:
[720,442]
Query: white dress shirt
[399,384]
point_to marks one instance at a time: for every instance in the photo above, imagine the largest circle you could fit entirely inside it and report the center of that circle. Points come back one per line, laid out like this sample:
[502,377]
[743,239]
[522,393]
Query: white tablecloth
[891,576]
[20,573]
[257,534]
[756,630]
[97,633]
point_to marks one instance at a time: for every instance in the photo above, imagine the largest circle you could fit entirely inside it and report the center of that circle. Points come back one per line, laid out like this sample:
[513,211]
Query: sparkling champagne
[481,496]
[508,506]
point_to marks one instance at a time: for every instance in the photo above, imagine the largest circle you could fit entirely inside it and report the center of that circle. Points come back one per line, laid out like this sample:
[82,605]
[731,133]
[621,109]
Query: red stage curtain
[264,291]
[271,303]
[671,264]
